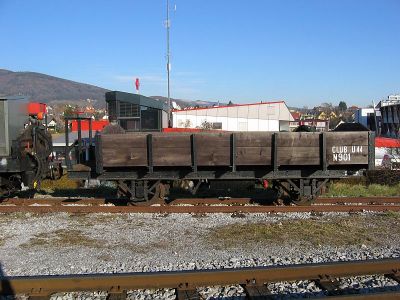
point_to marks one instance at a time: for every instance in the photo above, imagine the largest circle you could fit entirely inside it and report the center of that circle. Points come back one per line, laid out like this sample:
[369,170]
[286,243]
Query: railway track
[243,205]
[187,283]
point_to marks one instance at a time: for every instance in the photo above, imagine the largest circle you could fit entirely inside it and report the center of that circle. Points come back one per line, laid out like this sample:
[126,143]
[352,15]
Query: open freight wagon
[298,164]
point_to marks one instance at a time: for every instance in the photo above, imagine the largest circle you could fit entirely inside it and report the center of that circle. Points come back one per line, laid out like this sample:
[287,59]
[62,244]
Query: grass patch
[339,189]
[62,238]
[65,187]
[340,231]
[64,183]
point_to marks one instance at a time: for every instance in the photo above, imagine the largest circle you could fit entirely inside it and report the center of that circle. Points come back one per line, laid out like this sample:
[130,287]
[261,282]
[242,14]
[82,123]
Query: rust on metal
[199,209]
[189,280]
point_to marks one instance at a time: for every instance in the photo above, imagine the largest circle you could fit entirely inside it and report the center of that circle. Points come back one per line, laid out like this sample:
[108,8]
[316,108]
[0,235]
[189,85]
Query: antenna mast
[168,67]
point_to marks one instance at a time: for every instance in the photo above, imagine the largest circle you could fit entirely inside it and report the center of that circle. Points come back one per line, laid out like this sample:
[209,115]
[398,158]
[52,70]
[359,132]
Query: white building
[264,116]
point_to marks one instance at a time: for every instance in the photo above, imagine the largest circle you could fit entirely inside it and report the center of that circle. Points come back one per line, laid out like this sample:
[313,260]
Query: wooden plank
[169,156]
[171,150]
[298,139]
[213,149]
[298,155]
[171,141]
[247,156]
[359,138]
[187,294]
[347,148]
[124,156]
[213,140]
[347,155]
[214,157]
[253,139]
[129,139]
[257,292]
[124,149]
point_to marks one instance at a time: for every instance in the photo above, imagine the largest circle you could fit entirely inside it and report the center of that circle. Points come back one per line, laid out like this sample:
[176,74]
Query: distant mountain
[48,89]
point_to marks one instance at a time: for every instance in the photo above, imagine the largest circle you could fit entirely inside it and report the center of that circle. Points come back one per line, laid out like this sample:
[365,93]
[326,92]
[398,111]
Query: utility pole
[168,67]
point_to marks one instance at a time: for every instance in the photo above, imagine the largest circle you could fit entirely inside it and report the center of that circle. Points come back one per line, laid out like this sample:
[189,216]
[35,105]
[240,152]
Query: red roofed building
[263,116]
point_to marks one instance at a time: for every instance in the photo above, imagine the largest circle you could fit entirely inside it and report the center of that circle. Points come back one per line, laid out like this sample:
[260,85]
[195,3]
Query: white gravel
[61,243]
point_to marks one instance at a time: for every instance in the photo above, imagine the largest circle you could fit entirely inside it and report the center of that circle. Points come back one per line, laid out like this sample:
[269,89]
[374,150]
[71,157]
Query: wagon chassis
[301,186]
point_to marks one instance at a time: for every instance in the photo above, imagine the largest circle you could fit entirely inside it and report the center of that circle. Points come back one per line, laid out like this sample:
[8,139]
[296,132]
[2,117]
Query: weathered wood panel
[124,157]
[298,148]
[172,150]
[346,138]
[253,156]
[253,139]
[253,148]
[301,156]
[132,139]
[298,139]
[172,157]
[120,150]
[347,148]
[213,149]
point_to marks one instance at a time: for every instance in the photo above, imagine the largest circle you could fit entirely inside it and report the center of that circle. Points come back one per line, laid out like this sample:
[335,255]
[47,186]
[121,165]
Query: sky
[305,52]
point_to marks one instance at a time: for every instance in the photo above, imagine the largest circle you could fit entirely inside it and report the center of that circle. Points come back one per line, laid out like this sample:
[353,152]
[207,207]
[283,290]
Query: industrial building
[367,117]
[390,116]
[263,116]
[136,112]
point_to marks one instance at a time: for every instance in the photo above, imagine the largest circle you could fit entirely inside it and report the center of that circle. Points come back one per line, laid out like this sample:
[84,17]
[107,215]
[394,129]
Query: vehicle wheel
[144,193]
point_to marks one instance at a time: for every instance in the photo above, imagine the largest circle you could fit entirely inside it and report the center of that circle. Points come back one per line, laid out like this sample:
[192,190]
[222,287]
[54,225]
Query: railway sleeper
[331,285]
[257,292]
[184,294]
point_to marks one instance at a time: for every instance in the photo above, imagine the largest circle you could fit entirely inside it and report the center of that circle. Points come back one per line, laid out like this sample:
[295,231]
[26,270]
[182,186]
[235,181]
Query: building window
[217,125]
[150,118]
[130,124]
[128,110]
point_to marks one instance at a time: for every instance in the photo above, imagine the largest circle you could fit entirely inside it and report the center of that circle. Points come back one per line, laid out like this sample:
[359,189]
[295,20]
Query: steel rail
[191,201]
[189,280]
[367,200]
[198,209]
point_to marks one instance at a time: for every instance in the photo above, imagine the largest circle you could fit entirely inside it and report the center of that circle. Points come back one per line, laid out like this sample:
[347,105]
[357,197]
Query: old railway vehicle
[298,164]
[24,152]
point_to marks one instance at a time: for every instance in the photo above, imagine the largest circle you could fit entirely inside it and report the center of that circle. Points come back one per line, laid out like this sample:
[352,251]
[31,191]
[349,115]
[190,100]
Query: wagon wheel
[144,193]
[155,194]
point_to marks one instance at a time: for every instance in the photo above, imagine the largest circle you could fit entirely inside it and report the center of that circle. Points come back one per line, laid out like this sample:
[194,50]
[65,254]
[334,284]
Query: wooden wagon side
[297,163]
[276,151]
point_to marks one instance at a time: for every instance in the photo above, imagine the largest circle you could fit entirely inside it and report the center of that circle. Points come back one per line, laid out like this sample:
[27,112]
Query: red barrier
[96,125]
[191,130]
[382,142]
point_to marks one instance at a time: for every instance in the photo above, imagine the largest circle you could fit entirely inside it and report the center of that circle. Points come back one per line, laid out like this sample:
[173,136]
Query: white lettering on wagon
[344,153]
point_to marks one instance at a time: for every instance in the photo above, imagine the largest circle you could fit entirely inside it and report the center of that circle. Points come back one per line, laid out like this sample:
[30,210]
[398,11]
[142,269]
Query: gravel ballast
[62,243]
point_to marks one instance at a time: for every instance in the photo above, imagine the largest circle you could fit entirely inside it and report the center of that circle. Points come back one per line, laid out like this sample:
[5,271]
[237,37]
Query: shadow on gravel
[345,292]
[5,287]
